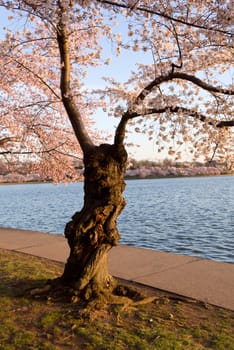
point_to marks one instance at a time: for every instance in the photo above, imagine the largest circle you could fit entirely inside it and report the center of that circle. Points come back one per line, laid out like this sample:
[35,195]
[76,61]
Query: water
[191,216]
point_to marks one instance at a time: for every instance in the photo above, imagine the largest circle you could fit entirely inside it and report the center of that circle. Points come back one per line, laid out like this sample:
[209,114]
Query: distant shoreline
[153,177]
[174,176]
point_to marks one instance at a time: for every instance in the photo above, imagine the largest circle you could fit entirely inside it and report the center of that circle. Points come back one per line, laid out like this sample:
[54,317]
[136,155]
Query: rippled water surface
[192,216]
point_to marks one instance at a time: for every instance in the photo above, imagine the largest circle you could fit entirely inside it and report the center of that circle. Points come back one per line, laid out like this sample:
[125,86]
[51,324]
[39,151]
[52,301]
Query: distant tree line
[136,168]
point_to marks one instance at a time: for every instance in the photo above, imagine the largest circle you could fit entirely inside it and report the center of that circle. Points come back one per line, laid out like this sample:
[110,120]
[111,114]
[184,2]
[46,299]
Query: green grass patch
[28,322]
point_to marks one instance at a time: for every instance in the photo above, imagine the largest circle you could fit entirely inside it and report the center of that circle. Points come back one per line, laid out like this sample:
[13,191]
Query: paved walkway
[201,279]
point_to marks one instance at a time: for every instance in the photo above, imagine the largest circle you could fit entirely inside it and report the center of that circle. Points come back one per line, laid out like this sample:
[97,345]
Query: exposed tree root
[127,296]
[40,291]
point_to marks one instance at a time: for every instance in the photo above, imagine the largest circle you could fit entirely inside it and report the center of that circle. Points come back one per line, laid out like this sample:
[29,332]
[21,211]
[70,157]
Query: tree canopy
[179,88]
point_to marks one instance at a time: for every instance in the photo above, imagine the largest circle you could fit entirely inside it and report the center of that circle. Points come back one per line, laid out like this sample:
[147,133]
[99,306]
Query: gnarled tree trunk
[93,231]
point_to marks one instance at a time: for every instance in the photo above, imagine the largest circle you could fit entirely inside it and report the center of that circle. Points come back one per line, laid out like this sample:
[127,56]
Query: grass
[168,322]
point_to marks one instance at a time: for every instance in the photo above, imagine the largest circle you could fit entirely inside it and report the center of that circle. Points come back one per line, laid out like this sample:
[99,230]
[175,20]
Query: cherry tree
[180,93]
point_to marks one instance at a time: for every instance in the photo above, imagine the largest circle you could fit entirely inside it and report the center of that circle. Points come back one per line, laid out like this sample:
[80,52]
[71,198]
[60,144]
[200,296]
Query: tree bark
[93,231]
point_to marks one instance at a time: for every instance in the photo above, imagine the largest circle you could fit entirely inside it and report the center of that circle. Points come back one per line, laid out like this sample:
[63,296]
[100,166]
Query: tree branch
[201,83]
[38,77]
[225,124]
[54,149]
[188,112]
[120,131]
[173,65]
[183,76]
[4,140]
[67,98]
[164,15]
